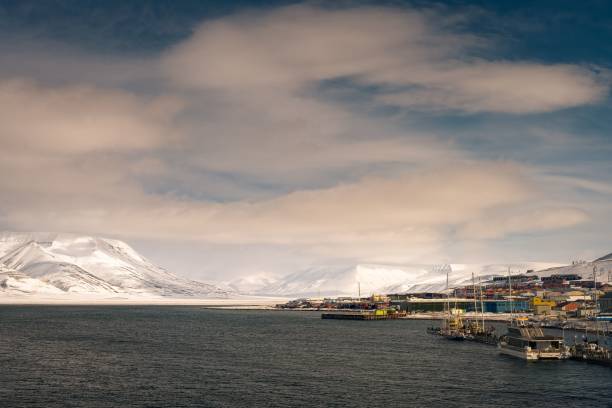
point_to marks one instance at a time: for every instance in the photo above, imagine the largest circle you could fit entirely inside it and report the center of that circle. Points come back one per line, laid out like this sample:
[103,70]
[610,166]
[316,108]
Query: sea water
[109,356]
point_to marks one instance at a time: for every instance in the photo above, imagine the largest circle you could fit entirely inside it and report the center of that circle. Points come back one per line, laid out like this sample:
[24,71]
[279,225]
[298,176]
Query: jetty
[377,314]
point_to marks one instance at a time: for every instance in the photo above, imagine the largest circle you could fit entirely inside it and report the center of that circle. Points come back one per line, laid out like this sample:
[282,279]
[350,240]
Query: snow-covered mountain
[337,281]
[72,265]
[603,268]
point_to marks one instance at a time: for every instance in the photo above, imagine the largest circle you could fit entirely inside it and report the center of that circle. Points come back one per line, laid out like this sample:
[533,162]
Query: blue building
[439,305]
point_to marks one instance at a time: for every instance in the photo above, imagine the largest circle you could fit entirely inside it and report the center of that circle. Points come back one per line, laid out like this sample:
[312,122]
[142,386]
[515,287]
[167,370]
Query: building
[439,305]
[605,303]
[541,306]
[422,295]
[559,281]
[568,307]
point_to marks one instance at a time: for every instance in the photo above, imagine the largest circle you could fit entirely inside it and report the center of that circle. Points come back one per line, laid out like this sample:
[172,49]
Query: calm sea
[195,357]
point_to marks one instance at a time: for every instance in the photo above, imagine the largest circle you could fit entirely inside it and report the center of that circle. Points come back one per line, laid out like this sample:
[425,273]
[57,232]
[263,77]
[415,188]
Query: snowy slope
[604,258]
[38,263]
[18,283]
[602,265]
[336,281]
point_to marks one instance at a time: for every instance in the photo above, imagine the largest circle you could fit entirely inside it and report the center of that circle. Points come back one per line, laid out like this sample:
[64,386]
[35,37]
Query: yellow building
[541,306]
[379,298]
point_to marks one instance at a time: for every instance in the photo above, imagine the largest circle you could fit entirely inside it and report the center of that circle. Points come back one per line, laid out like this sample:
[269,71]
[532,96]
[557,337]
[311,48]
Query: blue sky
[226,139]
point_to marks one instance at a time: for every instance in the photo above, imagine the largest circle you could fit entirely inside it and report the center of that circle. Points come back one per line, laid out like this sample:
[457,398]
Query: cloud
[414,59]
[277,136]
[80,118]
[237,143]
[504,87]
[410,217]
[365,211]
[527,221]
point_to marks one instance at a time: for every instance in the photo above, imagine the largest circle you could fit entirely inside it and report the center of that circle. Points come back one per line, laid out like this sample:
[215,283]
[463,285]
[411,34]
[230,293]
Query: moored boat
[592,352]
[528,342]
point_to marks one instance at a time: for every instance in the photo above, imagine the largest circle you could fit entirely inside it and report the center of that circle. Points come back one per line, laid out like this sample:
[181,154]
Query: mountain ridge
[86,265]
[374,278]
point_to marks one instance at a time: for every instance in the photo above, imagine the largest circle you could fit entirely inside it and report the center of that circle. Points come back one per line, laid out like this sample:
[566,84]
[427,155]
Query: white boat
[528,342]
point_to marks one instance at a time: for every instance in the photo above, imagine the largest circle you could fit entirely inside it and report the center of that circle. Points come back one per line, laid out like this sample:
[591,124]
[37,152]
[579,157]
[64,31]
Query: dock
[364,315]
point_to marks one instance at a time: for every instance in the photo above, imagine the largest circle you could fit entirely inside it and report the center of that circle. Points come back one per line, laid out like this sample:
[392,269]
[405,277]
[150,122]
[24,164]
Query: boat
[452,324]
[475,328]
[592,352]
[453,327]
[481,334]
[526,341]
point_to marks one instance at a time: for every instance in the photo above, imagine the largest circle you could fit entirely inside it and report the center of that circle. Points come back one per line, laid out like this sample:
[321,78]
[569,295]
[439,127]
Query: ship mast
[510,294]
[595,288]
[481,304]
[447,299]
[474,296]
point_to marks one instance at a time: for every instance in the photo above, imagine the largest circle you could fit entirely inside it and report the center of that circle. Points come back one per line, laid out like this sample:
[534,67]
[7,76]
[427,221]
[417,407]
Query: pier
[364,315]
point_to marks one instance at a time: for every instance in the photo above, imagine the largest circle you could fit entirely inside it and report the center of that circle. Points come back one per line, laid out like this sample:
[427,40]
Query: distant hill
[345,280]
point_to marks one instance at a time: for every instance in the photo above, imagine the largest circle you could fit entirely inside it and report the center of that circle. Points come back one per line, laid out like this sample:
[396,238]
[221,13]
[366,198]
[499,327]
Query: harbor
[523,317]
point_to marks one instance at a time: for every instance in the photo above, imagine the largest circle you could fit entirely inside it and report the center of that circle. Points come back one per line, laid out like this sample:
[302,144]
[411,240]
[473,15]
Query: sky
[261,138]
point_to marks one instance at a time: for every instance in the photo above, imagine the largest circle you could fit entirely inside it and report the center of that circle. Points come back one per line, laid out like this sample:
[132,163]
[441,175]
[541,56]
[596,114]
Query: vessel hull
[531,355]
[522,354]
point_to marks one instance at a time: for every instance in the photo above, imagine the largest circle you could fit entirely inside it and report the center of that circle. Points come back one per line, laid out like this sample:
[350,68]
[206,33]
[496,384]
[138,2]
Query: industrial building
[439,305]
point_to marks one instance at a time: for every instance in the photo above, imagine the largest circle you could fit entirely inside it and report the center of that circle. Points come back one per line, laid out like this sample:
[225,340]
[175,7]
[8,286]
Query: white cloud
[79,119]
[526,221]
[417,58]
